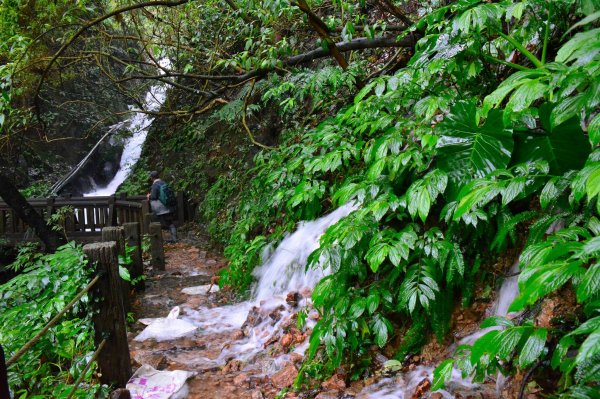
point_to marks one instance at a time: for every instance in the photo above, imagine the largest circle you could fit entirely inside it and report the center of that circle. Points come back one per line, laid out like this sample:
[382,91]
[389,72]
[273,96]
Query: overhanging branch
[361,43]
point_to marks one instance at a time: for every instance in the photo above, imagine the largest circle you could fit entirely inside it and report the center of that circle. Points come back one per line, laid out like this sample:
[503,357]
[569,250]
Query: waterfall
[138,124]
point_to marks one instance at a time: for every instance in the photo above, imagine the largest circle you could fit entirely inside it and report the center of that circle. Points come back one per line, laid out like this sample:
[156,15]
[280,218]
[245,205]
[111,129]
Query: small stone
[421,389]
[241,379]
[416,359]
[257,395]
[276,313]
[335,383]
[292,299]
[436,395]
[202,255]
[328,395]
[236,336]
[287,340]
[120,393]
[285,377]
[298,337]
[234,365]
[210,262]
[296,357]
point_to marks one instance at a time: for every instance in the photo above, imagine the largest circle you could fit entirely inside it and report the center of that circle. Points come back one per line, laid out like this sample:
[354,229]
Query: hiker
[163,204]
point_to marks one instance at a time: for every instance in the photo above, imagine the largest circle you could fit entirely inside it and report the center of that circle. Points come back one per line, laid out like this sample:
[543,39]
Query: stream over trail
[254,349]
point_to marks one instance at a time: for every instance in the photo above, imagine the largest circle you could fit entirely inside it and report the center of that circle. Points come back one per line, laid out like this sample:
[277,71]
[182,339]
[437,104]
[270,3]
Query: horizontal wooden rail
[87,215]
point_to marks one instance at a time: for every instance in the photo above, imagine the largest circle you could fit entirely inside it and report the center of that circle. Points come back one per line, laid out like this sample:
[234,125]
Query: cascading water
[138,124]
[284,271]
[403,386]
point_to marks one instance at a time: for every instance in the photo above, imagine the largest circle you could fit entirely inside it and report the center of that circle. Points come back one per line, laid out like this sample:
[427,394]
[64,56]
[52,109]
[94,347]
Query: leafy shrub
[42,289]
[443,184]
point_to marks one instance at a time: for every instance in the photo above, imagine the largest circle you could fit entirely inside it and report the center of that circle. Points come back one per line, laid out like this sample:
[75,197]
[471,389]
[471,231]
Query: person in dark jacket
[164,214]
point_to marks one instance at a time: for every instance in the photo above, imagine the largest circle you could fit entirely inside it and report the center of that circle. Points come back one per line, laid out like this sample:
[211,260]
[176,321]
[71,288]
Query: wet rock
[234,365]
[289,323]
[335,383]
[305,292]
[276,313]
[285,377]
[158,361]
[355,388]
[421,389]
[296,358]
[253,319]
[241,379]
[328,395]
[436,395]
[236,336]
[257,395]
[120,393]
[287,340]
[292,299]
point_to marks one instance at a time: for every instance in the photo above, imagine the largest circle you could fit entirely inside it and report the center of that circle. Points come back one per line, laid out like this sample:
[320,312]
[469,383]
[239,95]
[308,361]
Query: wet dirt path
[188,266]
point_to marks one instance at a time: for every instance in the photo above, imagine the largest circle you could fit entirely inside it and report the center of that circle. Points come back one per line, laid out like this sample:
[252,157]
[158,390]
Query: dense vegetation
[475,136]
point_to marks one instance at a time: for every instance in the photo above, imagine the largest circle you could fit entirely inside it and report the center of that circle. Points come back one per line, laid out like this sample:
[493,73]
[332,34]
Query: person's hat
[154,174]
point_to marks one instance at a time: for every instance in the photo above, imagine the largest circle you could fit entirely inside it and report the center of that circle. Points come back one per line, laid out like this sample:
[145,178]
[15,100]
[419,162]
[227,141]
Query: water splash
[267,313]
[138,124]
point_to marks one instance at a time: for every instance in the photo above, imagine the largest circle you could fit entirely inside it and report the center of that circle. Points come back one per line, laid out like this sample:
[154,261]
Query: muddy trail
[200,352]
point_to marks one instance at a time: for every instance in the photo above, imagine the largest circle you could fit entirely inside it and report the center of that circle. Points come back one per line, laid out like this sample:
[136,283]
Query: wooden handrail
[89,216]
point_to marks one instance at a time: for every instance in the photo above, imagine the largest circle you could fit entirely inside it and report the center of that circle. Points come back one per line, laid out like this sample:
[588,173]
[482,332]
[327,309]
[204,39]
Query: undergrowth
[492,126]
[44,285]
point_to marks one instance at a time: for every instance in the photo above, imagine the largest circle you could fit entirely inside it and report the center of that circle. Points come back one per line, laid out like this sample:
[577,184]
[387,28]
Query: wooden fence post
[146,217]
[117,234]
[134,238]
[157,251]
[112,212]
[109,321]
[49,207]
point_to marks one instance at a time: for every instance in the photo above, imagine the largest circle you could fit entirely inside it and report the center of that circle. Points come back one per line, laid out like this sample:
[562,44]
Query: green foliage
[444,185]
[42,289]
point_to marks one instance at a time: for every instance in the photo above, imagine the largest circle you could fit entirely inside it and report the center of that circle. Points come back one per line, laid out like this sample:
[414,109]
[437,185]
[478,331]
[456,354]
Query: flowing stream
[404,385]
[263,317]
[242,331]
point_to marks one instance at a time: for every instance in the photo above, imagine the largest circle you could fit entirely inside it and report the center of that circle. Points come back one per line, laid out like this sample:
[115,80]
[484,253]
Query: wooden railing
[87,216]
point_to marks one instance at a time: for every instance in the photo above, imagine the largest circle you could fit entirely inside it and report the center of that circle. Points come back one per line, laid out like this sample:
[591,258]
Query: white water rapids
[283,271]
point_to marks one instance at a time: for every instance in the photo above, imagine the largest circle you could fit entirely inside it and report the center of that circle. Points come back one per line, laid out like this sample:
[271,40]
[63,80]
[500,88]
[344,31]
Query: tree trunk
[9,193]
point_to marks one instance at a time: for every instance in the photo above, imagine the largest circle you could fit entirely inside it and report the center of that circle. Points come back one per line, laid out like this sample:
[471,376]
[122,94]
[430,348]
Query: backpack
[167,196]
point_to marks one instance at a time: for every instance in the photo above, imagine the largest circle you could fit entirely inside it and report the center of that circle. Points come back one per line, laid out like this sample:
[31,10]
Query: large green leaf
[467,149]
[564,147]
[533,347]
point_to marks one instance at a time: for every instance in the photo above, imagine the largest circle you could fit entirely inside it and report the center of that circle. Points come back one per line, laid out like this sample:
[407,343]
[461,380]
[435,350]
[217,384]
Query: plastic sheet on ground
[167,329]
[149,383]
[200,289]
